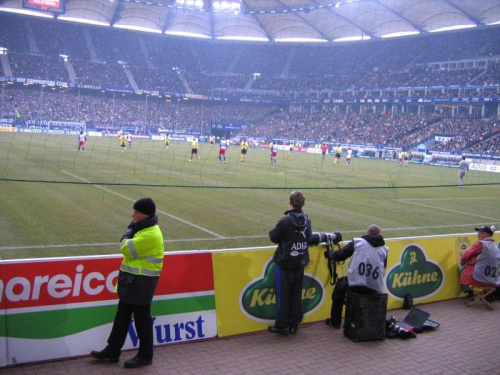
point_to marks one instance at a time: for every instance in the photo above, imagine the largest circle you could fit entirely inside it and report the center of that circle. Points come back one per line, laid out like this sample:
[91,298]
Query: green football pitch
[56,201]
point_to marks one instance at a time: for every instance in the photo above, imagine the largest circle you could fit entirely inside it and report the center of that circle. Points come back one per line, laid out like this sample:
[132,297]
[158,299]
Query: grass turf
[59,202]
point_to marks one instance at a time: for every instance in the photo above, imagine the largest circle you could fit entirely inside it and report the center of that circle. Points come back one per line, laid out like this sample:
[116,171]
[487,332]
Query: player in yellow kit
[244,148]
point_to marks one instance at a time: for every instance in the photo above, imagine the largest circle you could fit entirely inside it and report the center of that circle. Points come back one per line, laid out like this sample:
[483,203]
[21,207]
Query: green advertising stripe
[60,323]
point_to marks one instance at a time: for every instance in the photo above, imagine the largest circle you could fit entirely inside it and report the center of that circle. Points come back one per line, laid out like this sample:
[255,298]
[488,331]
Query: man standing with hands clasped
[292,234]
[143,250]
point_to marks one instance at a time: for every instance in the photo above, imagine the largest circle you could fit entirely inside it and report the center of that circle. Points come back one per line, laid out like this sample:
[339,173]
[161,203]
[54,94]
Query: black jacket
[347,251]
[292,234]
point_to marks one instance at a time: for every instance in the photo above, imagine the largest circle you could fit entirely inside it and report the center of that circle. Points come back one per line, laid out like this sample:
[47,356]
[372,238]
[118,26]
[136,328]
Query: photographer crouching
[366,270]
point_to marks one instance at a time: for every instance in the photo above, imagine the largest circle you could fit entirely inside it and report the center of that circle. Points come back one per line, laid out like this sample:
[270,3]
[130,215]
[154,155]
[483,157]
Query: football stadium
[371,108]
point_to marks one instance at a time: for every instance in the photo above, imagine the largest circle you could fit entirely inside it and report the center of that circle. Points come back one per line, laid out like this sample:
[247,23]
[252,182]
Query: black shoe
[281,331]
[105,356]
[293,329]
[328,322]
[138,361]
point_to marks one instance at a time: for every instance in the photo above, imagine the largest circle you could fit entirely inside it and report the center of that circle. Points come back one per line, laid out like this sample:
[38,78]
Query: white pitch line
[160,211]
[215,239]
[449,210]
[62,246]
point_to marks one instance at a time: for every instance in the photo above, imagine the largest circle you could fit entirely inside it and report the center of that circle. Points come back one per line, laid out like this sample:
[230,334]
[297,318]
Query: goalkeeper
[366,270]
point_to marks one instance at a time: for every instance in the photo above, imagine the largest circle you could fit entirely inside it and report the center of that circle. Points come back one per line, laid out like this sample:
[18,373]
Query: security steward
[366,269]
[143,250]
[292,234]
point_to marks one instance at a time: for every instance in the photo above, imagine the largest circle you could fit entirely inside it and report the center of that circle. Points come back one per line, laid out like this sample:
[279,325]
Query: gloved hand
[338,238]
[328,254]
[129,233]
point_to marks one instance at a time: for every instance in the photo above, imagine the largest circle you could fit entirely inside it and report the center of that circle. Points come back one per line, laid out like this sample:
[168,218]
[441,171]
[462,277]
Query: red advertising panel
[54,6]
[60,281]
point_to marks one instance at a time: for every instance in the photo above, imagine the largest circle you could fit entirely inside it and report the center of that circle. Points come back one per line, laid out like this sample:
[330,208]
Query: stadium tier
[396,92]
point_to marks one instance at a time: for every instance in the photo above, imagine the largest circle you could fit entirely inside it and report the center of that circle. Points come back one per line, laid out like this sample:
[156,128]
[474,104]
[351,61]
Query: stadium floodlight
[3,50]
[82,20]
[243,38]
[398,34]
[451,28]
[300,40]
[187,34]
[225,5]
[190,3]
[26,11]
[352,38]
[64,57]
[137,28]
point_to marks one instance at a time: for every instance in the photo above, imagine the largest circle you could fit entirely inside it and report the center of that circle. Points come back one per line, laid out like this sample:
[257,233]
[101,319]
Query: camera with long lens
[328,238]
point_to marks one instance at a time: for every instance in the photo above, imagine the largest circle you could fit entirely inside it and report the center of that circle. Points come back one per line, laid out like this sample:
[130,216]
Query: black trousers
[288,296]
[338,298]
[143,326]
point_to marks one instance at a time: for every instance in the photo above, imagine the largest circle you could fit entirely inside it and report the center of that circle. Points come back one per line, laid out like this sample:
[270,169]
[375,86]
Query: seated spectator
[480,262]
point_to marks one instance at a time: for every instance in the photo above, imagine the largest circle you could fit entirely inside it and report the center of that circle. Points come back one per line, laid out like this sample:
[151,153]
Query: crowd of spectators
[207,66]
[489,146]
[371,70]
[329,127]
[47,103]
[112,45]
[445,77]
[491,76]
[168,80]
[465,132]
[206,83]
[267,121]
[38,67]
[56,38]
[13,35]
[101,74]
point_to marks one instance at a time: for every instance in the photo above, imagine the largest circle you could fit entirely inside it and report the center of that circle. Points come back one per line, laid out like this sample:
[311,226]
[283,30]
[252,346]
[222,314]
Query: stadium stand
[285,93]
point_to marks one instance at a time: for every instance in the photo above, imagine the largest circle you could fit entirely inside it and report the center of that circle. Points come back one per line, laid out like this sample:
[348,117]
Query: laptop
[415,319]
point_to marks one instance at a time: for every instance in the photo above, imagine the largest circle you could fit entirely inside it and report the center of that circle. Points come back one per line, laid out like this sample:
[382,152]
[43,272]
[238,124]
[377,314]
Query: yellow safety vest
[143,254]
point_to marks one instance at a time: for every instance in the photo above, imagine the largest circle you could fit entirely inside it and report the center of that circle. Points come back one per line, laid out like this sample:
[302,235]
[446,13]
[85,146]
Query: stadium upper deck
[103,57]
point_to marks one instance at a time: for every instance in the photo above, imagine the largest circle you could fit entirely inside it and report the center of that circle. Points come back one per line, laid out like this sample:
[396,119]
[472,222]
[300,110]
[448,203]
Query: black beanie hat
[146,206]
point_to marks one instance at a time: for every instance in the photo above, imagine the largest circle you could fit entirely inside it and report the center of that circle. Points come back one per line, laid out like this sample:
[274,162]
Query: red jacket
[468,260]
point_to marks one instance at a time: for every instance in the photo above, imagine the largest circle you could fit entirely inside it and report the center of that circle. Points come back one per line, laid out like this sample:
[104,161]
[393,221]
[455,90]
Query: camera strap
[332,265]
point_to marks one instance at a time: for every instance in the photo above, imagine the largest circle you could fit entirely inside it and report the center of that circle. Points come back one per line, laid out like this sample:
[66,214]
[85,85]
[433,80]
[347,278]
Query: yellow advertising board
[244,289]
[425,267]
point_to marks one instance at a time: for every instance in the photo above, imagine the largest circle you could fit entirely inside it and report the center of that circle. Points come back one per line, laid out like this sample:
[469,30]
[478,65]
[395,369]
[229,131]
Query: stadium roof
[277,20]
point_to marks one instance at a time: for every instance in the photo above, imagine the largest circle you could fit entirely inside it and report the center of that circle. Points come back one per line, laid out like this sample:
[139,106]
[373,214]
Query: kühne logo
[415,274]
[258,298]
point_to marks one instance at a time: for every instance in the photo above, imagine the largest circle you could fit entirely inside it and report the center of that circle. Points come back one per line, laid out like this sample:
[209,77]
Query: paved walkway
[466,343]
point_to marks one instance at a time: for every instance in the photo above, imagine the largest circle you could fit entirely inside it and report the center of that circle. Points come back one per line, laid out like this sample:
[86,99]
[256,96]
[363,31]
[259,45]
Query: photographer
[292,234]
[366,269]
